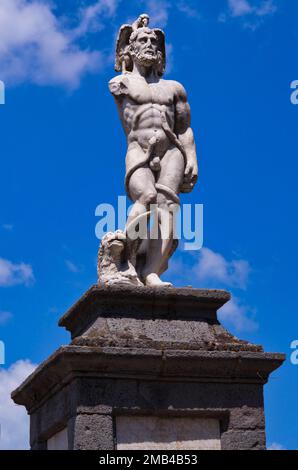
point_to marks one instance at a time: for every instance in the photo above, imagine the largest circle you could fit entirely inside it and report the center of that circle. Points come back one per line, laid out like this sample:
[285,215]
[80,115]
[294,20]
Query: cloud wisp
[36,46]
[71,266]
[188,9]
[244,7]
[251,13]
[213,270]
[214,267]
[12,274]
[7,227]
[276,446]
[13,418]
[158,11]
[238,315]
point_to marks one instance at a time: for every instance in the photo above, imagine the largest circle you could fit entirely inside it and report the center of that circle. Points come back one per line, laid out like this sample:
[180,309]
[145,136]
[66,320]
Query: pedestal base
[149,369]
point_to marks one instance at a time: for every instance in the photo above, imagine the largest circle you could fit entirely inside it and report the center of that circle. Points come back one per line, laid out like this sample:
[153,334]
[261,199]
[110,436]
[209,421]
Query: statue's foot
[153,280]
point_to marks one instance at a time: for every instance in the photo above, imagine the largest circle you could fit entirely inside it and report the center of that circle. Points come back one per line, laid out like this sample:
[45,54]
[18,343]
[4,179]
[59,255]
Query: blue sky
[62,154]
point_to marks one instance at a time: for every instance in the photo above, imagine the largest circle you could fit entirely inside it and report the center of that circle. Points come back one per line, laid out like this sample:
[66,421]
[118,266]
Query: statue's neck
[146,72]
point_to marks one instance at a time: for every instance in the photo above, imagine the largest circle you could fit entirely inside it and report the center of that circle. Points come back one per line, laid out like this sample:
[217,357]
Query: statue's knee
[148,198]
[167,203]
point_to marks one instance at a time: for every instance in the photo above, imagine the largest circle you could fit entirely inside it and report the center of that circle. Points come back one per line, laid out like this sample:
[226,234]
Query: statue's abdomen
[145,121]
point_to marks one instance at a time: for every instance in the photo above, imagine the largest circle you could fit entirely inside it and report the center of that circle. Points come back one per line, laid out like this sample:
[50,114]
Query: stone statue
[161,156]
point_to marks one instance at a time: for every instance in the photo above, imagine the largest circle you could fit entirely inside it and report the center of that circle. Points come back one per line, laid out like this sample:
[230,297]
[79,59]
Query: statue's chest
[142,93]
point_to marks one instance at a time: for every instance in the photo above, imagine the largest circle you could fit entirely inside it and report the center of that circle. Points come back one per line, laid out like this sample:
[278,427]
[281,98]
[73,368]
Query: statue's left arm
[185,135]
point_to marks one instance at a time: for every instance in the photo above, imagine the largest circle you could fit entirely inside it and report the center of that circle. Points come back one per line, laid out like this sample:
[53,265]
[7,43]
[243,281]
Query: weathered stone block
[243,440]
[155,353]
[92,432]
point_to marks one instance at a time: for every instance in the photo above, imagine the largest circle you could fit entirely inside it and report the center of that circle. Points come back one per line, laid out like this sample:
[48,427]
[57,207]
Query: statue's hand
[190,176]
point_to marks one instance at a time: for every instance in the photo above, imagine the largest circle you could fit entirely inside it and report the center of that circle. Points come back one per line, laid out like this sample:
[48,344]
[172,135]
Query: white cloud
[36,46]
[158,11]
[188,9]
[266,7]
[13,418]
[12,274]
[213,270]
[5,317]
[92,16]
[238,315]
[239,8]
[276,446]
[213,266]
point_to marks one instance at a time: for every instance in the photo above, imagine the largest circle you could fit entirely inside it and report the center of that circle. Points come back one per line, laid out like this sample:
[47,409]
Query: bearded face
[145,48]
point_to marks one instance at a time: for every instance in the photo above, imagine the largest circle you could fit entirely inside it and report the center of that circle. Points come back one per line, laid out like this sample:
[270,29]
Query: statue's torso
[143,107]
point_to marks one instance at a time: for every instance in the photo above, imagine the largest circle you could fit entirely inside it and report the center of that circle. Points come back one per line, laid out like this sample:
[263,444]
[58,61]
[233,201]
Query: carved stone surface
[148,352]
[159,433]
[115,260]
[163,318]
[161,158]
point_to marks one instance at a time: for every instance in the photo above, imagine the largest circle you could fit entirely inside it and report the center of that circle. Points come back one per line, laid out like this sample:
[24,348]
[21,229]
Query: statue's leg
[142,191]
[167,186]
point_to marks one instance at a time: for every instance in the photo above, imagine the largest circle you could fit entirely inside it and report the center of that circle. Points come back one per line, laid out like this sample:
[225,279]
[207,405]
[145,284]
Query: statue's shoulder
[177,88]
[119,85]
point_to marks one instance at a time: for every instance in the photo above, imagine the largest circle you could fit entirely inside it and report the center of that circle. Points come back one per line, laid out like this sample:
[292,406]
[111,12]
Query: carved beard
[145,59]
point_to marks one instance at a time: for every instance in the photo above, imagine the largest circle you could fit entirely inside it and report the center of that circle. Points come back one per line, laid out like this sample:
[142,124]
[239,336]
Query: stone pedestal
[149,369]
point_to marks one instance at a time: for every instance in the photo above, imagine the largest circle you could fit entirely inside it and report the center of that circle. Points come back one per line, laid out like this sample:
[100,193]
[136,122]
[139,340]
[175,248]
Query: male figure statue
[161,156]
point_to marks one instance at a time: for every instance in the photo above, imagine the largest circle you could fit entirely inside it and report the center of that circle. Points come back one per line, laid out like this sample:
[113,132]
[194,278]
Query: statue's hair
[136,32]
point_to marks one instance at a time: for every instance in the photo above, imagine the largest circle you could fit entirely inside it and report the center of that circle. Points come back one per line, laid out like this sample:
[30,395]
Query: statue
[161,156]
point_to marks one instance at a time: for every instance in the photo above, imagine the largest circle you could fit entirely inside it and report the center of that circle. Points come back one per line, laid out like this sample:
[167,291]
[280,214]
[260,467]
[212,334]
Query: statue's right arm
[119,88]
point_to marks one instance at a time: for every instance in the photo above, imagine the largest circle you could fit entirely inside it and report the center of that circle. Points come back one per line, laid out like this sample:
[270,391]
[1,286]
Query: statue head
[137,43]
[144,47]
